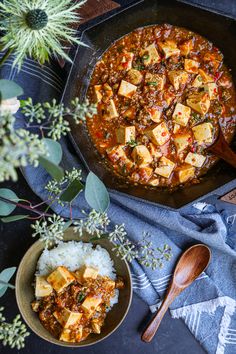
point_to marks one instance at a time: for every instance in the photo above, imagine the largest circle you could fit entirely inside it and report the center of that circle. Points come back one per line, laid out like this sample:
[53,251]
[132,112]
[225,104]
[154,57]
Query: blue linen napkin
[208,306]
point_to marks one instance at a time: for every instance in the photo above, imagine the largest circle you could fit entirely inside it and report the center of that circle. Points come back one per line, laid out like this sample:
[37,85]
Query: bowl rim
[56,341]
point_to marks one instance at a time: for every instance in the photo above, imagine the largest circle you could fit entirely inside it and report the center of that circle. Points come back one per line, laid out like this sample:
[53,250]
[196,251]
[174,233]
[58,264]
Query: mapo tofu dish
[161,92]
[72,305]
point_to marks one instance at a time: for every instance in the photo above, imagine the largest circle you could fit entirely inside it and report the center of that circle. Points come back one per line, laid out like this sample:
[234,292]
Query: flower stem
[6,56]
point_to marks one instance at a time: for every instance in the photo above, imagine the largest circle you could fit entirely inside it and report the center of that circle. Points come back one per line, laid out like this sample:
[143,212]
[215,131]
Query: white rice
[73,255]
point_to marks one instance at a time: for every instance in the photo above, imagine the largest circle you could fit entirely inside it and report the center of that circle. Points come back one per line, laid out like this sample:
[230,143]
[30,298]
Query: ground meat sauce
[161,93]
[78,309]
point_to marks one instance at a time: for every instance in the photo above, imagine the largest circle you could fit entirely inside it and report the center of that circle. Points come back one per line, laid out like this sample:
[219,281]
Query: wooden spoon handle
[224,151]
[154,324]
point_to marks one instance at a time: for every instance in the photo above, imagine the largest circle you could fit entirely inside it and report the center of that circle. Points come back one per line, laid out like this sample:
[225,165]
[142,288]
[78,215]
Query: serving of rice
[74,255]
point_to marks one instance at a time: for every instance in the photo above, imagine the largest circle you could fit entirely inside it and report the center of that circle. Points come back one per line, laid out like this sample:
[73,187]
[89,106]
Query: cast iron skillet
[219,29]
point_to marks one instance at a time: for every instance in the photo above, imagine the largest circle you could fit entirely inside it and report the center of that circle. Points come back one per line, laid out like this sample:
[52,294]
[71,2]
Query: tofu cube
[212,90]
[195,159]
[141,155]
[91,303]
[182,141]
[169,48]
[97,93]
[145,173]
[214,59]
[60,278]
[156,80]
[178,78]
[181,114]
[205,76]
[135,76]
[154,182]
[107,90]
[42,287]
[203,133]
[111,110]
[67,318]
[176,128]
[168,97]
[200,102]
[115,153]
[155,114]
[79,275]
[154,150]
[165,167]
[127,89]
[186,47]
[191,66]
[109,284]
[198,81]
[66,336]
[90,272]
[159,135]
[125,134]
[95,326]
[126,61]
[150,55]
[185,173]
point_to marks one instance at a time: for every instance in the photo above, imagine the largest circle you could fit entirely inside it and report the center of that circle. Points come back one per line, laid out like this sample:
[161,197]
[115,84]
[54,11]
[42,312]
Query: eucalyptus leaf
[13,218]
[9,89]
[54,150]
[96,193]
[72,191]
[7,208]
[55,171]
[3,283]
[67,224]
[5,276]
[3,290]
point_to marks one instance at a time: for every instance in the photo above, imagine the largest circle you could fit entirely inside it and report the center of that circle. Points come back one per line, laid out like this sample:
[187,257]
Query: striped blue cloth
[208,306]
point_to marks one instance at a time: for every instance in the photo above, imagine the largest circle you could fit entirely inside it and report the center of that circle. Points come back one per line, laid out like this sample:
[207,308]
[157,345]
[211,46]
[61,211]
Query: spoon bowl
[190,265]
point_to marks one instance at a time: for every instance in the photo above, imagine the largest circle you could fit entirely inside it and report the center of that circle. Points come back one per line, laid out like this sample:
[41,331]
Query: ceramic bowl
[25,292]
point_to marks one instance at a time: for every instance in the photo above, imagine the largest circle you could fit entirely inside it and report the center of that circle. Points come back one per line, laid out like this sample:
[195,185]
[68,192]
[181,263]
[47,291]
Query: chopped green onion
[152,83]
[139,67]
[145,56]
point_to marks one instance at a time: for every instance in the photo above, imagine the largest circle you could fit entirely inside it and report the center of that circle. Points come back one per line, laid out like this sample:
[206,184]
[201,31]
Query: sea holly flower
[37,28]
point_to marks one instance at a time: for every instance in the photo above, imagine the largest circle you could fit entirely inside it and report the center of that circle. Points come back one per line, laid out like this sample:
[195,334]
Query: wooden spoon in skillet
[221,149]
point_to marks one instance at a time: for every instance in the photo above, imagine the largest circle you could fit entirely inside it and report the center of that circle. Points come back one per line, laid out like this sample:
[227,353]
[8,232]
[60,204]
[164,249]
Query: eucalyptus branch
[13,334]
[25,207]
[51,118]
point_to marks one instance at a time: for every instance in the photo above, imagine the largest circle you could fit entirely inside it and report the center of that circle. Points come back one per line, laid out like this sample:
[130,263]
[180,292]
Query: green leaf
[54,150]
[7,208]
[3,290]
[14,218]
[5,276]
[55,171]
[72,191]
[96,193]
[67,224]
[9,89]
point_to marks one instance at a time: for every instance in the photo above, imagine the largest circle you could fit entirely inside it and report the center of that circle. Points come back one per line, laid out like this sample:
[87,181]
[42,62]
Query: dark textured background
[173,337]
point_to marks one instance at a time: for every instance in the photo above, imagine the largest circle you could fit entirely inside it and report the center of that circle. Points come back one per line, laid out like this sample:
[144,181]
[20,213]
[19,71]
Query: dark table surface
[173,336]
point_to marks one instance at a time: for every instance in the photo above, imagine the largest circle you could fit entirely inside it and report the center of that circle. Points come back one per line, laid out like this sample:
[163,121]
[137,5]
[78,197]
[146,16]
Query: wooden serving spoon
[221,148]
[190,265]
